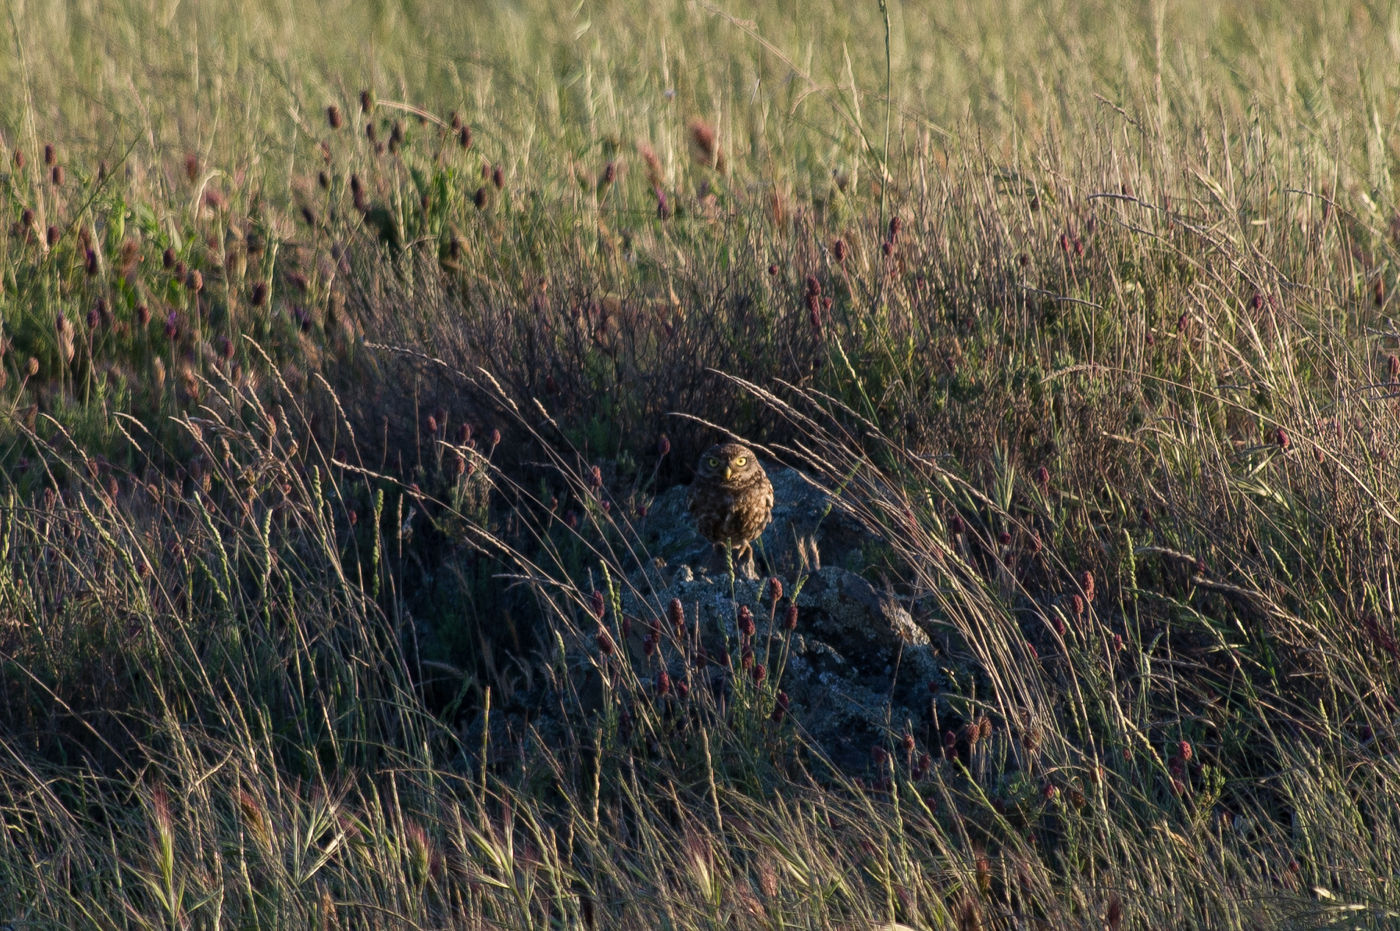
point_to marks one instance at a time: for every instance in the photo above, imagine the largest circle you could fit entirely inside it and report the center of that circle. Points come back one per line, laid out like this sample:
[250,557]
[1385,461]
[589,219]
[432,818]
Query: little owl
[731,500]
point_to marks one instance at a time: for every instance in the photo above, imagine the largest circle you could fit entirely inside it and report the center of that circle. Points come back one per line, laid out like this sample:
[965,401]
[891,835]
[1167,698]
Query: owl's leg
[744,562]
[719,558]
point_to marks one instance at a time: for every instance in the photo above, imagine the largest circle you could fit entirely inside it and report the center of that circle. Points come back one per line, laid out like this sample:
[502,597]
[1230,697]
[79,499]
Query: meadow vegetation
[344,348]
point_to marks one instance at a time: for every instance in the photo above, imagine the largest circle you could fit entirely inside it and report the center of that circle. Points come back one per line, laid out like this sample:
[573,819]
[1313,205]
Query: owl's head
[728,462]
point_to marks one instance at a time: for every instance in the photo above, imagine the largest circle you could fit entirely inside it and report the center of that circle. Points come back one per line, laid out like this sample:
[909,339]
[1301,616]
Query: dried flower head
[746,622]
[655,177]
[704,147]
[790,618]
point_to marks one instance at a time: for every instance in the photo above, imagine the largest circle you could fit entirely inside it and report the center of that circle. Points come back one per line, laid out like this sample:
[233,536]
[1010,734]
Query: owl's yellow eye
[741,460]
[713,463]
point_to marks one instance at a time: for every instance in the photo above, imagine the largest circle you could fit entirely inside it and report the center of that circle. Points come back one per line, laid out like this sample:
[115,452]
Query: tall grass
[329,593]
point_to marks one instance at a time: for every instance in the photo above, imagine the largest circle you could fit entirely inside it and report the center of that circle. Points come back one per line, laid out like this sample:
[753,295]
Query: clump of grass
[1095,343]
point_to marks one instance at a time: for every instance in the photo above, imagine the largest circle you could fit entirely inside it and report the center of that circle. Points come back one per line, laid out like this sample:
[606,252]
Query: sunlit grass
[345,353]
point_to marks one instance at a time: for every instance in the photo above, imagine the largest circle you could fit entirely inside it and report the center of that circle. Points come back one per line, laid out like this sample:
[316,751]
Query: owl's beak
[728,473]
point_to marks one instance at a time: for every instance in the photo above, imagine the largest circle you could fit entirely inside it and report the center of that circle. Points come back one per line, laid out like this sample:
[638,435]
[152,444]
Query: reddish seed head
[595,478]
[50,157]
[790,618]
[90,262]
[366,101]
[172,325]
[663,684]
[838,250]
[1042,476]
[772,270]
[498,177]
[605,641]
[432,424]
[57,175]
[1076,605]
[675,613]
[480,198]
[956,525]
[1183,750]
[167,258]
[495,438]
[895,224]
[907,743]
[1086,582]
[1004,538]
[93,319]
[663,445]
[51,236]
[1281,438]
[760,673]
[19,160]
[887,248]
[597,605]
[333,116]
[195,282]
[775,589]
[780,707]
[746,624]
[464,137]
